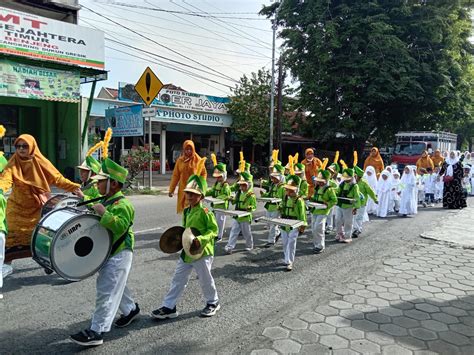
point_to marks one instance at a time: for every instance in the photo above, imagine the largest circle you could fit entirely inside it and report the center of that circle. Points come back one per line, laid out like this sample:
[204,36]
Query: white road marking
[148,230]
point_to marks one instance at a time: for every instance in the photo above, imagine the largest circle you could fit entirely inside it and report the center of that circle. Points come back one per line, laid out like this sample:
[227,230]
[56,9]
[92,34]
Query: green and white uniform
[220,190]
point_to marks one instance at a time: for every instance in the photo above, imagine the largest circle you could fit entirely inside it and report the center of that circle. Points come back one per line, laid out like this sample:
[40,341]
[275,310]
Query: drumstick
[83,203]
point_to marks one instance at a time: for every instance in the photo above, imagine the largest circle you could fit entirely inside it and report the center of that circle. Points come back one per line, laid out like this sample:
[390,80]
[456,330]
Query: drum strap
[119,241]
[90,184]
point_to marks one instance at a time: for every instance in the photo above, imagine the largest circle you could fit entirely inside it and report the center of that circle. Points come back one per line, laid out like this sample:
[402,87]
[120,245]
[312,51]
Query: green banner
[19,80]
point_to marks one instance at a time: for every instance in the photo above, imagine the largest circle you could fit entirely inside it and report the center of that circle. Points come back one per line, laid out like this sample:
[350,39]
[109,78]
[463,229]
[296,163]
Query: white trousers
[2,256]
[181,277]
[359,219]
[234,234]
[289,244]
[220,218]
[274,229]
[331,217]
[112,291]
[344,221]
[318,228]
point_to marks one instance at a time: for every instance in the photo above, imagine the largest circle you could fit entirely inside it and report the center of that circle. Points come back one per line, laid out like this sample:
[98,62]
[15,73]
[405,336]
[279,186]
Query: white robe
[409,196]
[372,180]
[384,191]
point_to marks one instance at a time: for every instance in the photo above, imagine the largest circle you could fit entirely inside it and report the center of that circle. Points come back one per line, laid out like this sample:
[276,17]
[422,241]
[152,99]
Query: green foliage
[368,69]
[135,162]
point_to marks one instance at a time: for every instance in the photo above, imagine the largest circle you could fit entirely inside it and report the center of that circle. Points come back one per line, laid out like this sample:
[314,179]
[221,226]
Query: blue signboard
[125,121]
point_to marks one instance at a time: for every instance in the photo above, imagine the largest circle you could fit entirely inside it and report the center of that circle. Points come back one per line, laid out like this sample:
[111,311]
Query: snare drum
[71,242]
[61,201]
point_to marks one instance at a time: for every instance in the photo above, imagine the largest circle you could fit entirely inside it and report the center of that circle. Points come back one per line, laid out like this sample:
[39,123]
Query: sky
[225,41]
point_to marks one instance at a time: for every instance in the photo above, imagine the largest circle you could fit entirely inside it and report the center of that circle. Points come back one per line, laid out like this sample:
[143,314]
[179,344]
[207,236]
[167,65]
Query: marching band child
[275,190]
[326,195]
[265,183]
[87,170]
[117,215]
[4,269]
[334,169]
[243,167]
[244,201]
[292,207]
[367,192]
[197,217]
[299,171]
[384,194]
[221,191]
[348,202]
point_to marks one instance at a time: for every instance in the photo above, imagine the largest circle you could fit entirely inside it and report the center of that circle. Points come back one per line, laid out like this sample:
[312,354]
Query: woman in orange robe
[437,158]
[311,165]
[375,160]
[424,162]
[184,168]
[29,174]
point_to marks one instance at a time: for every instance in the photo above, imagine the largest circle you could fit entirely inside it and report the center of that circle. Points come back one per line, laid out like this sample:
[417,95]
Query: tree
[367,69]
[135,161]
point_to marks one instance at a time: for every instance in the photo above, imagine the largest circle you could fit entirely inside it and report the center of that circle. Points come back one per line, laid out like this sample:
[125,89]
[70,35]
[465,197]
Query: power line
[166,47]
[226,26]
[216,33]
[179,12]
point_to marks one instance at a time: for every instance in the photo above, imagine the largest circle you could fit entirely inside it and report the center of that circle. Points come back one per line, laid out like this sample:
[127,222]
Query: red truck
[410,145]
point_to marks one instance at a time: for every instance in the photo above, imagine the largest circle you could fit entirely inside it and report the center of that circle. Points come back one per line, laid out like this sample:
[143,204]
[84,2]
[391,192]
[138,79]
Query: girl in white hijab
[371,178]
[409,193]
[384,189]
[395,195]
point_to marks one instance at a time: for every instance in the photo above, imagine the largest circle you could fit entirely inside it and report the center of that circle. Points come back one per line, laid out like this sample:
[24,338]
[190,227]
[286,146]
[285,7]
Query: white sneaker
[289,267]
[7,269]
[1,296]
[228,250]
[248,249]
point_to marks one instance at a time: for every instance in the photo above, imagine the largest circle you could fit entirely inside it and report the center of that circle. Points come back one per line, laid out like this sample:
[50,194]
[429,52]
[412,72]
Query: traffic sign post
[148,86]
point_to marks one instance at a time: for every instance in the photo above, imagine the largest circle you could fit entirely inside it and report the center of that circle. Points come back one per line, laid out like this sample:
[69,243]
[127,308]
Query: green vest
[245,202]
[275,191]
[325,195]
[3,209]
[293,208]
[221,191]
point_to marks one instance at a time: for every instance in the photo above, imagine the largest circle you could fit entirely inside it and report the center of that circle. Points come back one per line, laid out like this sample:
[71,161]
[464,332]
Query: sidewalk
[419,303]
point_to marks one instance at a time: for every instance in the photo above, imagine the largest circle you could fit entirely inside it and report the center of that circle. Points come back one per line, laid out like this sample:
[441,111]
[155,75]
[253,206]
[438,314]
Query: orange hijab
[35,171]
[437,158]
[194,159]
[376,162]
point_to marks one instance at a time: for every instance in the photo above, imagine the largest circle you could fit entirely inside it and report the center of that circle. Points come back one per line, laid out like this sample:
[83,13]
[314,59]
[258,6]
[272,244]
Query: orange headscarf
[34,171]
[195,158]
[424,162]
[437,158]
[376,162]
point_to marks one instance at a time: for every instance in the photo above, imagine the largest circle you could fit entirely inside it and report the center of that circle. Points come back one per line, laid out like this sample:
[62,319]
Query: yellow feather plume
[200,166]
[292,166]
[93,149]
[343,164]
[295,158]
[242,166]
[290,160]
[214,159]
[274,155]
[336,157]
[356,158]
[241,156]
[105,143]
[3,130]
[325,163]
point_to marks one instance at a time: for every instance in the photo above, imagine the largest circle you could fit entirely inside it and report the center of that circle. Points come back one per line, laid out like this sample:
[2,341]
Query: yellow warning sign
[148,86]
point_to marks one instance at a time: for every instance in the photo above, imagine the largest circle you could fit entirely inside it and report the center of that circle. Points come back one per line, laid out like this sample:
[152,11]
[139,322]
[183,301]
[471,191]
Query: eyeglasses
[21,146]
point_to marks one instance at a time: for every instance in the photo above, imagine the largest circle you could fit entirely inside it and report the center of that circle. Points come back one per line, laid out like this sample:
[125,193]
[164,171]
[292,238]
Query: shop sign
[125,121]
[31,82]
[28,35]
[185,117]
[178,99]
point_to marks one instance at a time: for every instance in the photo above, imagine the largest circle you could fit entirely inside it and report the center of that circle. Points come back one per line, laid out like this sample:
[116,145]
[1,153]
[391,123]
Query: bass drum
[61,201]
[72,243]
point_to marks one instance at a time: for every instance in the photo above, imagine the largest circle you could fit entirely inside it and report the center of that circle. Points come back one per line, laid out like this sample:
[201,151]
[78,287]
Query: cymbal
[187,239]
[170,240]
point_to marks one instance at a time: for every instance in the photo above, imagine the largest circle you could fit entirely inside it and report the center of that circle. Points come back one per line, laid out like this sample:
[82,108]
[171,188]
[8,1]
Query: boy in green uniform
[323,193]
[265,183]
[244,201]
[221,191]
[197,217]
[87,170]
[4,269]
[347,204]
[275,190]
[235,186]
[292,207]
[334,170]
[366,191]
[117,215]
[300,172]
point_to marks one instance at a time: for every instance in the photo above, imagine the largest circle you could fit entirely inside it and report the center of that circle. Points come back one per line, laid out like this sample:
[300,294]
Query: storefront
[43,62]
[180,115]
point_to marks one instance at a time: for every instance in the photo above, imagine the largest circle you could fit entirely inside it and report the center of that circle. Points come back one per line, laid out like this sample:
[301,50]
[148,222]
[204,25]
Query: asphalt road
[39,311]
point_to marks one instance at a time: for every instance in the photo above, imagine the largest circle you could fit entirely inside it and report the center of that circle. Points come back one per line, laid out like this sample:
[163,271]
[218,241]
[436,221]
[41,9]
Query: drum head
[171,240]
[81,246]
[60,201]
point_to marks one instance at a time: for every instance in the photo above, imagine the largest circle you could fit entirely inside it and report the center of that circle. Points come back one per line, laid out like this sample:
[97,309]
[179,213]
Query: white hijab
[451,162]
[408,179]
[372,180]
[384,185]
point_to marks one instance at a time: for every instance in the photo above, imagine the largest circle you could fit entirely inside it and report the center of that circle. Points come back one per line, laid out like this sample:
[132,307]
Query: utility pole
[281,83]
[272,93]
